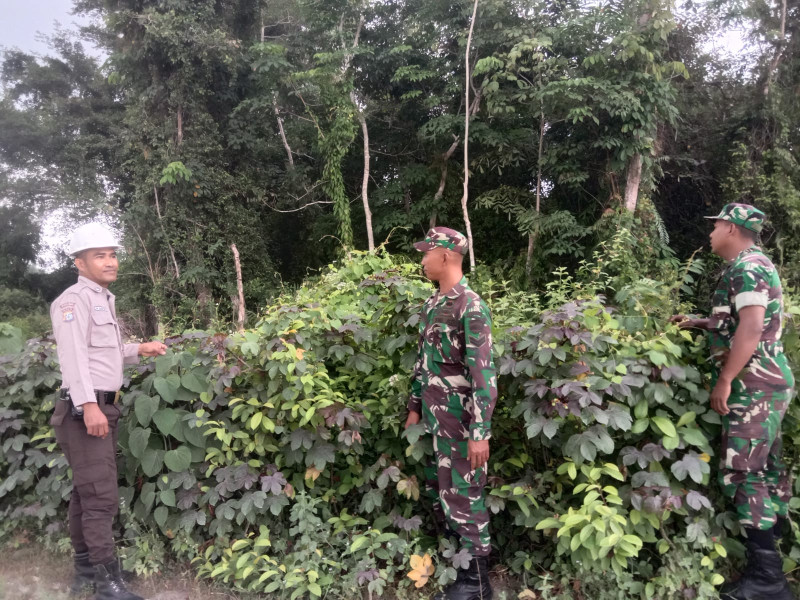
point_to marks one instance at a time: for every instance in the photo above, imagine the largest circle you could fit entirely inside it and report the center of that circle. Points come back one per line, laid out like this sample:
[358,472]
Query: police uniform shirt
[88,341]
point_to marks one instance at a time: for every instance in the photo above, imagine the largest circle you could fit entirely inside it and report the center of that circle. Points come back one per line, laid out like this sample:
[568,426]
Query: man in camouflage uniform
[752,386]
[454,388]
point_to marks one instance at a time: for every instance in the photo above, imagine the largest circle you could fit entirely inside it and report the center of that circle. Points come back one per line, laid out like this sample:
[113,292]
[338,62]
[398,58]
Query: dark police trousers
[95,498]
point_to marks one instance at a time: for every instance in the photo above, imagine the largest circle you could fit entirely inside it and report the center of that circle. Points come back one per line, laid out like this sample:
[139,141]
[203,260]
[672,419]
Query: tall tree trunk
[632,182]
[240,317]
[465,195]
[365,177]
[180,125]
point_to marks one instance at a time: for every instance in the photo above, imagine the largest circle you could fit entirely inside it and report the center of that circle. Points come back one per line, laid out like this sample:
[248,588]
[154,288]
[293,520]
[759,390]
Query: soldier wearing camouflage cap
[454,389]
[752,387]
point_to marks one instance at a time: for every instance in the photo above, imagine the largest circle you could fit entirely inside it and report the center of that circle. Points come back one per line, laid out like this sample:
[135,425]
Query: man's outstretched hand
[152,349]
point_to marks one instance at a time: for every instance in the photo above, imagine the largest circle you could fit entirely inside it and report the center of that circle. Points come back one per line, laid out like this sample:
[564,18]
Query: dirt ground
[31,572]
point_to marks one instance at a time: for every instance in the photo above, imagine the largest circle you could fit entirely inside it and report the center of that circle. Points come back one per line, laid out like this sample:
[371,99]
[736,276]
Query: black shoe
[84,575]
[762,579]
[471,583]
[109,583]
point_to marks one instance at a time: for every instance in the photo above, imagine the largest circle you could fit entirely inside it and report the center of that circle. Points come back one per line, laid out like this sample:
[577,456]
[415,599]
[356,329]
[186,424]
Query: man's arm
[70,318]
[744,343]
[685,322]
[479,361]
[415,399]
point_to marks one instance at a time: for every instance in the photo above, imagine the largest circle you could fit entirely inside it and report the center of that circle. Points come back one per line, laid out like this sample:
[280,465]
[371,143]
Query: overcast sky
[24,22]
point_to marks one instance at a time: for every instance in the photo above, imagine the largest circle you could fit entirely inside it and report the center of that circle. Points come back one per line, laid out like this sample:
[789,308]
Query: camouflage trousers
[751,470]
[458,495]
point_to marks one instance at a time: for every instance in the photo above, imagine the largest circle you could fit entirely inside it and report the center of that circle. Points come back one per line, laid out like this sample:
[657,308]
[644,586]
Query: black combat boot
[471,583]
[109,583]
[84,574]
[762,578]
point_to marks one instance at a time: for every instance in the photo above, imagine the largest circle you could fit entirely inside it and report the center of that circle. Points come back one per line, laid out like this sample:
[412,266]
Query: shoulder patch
[68,315]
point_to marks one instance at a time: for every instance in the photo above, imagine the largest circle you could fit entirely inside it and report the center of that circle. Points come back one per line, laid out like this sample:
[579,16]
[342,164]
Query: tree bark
[465,195]
[240,318]
[180,125]
[632,182]
[365,178]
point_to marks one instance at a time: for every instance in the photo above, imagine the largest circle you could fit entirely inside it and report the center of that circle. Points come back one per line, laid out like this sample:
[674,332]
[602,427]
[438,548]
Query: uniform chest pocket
[104,330]
[445,342]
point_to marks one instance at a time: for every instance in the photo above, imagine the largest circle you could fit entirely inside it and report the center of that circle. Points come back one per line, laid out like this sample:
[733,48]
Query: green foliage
[275,459]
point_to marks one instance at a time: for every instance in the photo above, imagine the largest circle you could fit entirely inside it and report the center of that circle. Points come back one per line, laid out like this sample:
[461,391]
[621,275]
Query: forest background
[302,133]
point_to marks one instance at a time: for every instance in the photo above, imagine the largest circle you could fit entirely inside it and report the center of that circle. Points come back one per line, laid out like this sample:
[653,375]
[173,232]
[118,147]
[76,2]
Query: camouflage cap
[444,237]
[744,215]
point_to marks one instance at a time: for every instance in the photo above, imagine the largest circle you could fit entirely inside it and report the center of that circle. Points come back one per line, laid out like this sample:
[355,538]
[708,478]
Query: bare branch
[301,207]
[281,131]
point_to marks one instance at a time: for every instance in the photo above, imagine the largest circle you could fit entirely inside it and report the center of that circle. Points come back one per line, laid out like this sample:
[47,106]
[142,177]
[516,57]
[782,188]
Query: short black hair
[748,234]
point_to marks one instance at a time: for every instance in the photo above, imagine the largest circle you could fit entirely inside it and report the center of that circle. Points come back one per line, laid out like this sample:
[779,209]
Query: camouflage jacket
[454,384]
[750,280]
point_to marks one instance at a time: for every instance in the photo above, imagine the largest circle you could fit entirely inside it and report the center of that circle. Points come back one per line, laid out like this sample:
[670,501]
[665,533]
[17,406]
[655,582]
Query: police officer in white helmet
[91,354]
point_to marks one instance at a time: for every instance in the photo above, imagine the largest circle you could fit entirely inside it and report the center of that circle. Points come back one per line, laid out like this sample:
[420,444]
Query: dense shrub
[275,459]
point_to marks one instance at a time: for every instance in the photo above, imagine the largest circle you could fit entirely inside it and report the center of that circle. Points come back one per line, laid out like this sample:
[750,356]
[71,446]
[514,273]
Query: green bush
[275,459]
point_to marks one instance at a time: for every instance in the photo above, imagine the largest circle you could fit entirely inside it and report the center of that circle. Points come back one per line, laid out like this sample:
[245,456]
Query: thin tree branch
[443,178]
[465,195]
[281,131]
[147,255]
[301,207]
[166,239]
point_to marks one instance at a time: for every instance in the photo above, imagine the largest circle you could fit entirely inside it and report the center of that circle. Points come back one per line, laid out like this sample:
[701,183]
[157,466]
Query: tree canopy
[299,130]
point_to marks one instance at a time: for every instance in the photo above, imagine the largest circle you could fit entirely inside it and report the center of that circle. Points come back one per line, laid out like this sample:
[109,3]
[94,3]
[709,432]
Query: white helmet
[91,235]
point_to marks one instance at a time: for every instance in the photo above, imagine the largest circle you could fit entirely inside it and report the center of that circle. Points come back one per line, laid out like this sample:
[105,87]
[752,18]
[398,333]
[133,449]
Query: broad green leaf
[192,383]
[144,408]
[165,420]
[137,441]
[160,515]
[165,389]
[152,462]
[665,425]
[178,460]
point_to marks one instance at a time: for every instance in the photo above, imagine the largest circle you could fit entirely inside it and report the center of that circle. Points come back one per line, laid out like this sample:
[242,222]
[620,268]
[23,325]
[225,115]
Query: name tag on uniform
[99,307]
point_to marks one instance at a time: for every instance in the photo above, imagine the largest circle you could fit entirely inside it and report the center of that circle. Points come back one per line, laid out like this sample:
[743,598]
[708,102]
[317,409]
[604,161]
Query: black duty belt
[100,396]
